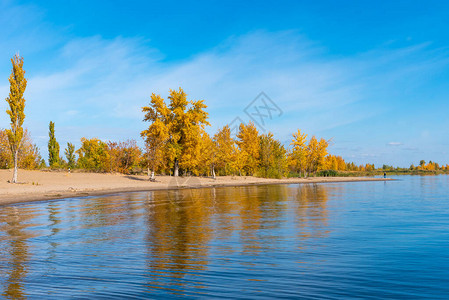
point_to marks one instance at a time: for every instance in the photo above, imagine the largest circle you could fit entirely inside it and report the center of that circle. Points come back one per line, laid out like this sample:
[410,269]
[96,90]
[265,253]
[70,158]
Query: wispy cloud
[395,144]
[94,86]
[110,80]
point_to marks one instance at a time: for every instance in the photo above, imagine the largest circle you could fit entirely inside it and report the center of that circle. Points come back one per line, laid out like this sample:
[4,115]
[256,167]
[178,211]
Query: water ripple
[330,241]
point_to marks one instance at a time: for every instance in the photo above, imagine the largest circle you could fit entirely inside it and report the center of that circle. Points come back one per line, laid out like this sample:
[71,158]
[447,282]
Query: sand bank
[41,185]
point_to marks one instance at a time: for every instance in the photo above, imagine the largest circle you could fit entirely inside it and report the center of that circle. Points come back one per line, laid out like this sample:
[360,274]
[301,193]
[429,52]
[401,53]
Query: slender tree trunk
[176,172]
[152,175]
[16,159]
[213,171]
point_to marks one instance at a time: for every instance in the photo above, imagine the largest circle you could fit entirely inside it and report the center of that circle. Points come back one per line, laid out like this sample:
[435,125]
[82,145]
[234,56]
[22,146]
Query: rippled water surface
[340,240]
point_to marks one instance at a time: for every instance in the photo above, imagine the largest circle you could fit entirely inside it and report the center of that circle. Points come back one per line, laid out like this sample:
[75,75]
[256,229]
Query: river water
[333,240]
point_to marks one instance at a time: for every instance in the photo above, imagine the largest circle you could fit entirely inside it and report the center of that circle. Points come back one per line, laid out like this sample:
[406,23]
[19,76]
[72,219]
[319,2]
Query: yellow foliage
[28,155]
[225,150]
[93,155]
[297,157]
[239,160]
[16,102]
[123,156]
[175,129]
[272,157]
[248,142]
[208,155]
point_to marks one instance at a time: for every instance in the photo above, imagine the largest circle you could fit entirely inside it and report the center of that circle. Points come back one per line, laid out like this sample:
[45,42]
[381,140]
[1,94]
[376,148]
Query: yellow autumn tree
[5,153]
[157,134]
[208,157]
[322,153]
[191,150]
[124,157]
[369,167]
[248,142]
[316,153]
[225,150]
[311,155]
[16,102]
[188,119]
[341,163]
[330,162]
[28,158]
[182,121]
[93,155]
[298,155]
[337,163]
[238,160]
[272,157]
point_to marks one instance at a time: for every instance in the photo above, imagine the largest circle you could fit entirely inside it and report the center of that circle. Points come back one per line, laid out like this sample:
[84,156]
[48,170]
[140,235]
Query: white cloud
[71,112]
[395,144]
[110,80]
[97,86]
[104,83]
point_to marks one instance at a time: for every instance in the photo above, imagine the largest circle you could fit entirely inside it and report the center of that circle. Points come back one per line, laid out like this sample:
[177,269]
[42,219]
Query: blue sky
[371,76]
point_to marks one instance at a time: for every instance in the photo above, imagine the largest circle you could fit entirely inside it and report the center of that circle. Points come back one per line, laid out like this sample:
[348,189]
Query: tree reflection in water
[182,225]
[311,210]
[178,232]
[15,249]
[172,239]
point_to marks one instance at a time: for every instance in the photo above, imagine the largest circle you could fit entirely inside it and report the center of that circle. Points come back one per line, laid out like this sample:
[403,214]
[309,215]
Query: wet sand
[42,185]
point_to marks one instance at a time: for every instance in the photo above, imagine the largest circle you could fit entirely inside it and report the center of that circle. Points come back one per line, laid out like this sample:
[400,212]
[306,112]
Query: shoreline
[39,186]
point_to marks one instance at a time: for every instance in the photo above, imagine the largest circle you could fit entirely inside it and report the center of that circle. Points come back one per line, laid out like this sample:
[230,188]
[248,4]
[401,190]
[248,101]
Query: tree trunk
[152,176]
[176,172]
[213,171]
[16,158]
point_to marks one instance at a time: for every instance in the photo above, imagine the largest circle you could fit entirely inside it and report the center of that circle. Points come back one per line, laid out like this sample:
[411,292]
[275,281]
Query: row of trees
[95,155]
[176,142]
[250,153]
[430,166]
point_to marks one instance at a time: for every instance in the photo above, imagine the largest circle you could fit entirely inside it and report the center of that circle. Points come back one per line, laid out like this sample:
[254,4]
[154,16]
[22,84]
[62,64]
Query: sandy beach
[41,185]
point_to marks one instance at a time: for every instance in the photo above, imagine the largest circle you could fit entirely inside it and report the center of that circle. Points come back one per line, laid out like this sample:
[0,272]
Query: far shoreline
[40,186]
